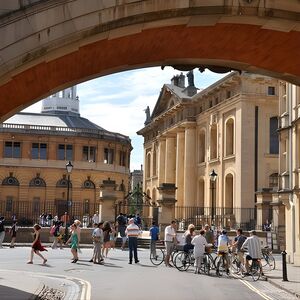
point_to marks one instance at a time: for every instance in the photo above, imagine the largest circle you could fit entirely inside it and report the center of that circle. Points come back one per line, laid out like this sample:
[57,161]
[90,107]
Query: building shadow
[9,293]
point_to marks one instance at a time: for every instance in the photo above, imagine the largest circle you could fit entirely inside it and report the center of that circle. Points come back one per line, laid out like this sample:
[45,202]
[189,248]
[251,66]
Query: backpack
[121,220]
[52,230]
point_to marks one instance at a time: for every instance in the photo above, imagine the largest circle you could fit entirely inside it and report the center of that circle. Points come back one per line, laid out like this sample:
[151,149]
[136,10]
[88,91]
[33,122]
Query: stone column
[161,160]
[108,197]
[263,200]
[170,162]
[190,167]
[180,168]
[166,203]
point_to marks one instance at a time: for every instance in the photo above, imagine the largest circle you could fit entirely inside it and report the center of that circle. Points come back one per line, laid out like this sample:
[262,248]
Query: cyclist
[188,236]
[223,248]
[209,234]
[237,244]
[253,247]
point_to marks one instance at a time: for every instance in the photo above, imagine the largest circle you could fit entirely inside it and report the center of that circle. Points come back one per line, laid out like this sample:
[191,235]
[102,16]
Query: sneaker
[91,260]
[130,263]
[137,261]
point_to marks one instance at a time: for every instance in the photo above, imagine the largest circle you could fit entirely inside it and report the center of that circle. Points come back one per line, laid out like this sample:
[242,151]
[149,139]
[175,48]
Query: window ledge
[229,157]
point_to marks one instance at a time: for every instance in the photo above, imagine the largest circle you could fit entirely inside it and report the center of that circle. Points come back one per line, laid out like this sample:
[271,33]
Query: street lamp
[69,168]
[213,176]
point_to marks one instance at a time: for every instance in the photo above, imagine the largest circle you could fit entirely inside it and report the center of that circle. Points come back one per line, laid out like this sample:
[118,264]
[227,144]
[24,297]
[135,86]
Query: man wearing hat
[132,232]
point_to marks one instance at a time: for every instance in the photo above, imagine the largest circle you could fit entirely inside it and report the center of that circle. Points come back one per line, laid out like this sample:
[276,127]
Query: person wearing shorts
[170,240]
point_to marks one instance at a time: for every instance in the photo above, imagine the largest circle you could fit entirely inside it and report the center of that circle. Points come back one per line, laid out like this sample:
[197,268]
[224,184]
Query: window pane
[35,151]
[69,153]
[8,149]
[85,153]
[43,151]
[93,154]
[61,152]
[16,149]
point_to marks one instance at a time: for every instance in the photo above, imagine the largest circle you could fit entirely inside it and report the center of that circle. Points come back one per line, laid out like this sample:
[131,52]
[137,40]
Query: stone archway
[51,45]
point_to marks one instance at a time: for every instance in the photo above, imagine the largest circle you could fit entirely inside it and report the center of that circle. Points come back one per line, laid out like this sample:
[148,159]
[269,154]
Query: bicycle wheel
[255,270]
[158,258]
[220,265]
[206,265]
[271,261]
[182,261]
[172,258]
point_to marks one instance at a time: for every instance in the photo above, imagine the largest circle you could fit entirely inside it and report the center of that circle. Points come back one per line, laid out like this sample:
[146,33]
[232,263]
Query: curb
[282,288]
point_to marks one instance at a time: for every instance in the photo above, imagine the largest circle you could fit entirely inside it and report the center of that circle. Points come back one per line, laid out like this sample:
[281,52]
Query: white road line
[254,289]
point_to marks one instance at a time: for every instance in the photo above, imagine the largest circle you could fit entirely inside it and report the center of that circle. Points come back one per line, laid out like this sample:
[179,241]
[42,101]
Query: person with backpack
[121,219]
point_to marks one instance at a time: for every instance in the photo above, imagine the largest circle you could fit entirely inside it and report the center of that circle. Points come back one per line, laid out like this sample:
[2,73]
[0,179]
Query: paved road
[119,280]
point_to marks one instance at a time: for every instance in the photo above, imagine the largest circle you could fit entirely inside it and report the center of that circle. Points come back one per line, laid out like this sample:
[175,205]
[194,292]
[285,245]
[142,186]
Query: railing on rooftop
[8,127]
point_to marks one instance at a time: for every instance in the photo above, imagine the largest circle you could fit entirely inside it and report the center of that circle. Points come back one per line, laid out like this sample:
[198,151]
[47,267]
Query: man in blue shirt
[153,232]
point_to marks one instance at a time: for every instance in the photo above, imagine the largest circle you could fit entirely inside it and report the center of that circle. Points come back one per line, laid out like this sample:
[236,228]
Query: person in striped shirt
[253,247]
[132,232]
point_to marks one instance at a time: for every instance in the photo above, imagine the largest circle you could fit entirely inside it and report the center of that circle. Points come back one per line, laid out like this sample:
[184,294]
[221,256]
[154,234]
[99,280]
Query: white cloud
[116,102]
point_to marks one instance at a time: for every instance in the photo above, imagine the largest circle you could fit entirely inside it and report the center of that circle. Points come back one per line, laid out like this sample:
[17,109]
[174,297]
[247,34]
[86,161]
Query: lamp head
[69,167]
[213,175]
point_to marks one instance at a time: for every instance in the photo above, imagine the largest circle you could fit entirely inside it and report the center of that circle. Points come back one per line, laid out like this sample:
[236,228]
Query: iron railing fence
[220,217]
[43,213]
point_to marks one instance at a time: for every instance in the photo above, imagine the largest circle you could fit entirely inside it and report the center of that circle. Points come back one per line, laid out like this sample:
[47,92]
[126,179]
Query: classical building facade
[289,168]
[229,128]
[35,149]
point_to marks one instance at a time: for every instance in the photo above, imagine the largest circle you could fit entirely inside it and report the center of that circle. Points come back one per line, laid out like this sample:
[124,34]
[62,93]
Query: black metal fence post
[284,270]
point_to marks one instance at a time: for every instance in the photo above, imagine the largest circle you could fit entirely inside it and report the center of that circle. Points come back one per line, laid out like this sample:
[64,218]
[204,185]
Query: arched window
[274,138]
[229,142]
[148,164]
[273,180]
[201,146]
[63,182]
[88,184]
[229,194]
[10,180]
[37,181]
[213,141]
[154,167]
[201,193]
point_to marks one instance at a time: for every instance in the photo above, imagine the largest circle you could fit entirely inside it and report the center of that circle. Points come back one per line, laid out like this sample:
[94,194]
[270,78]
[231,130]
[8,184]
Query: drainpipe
[291,168]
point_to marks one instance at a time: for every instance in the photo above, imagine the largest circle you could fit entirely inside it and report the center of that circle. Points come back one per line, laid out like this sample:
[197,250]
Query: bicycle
[268,258]
[255,269]
[160,255]
[221,263]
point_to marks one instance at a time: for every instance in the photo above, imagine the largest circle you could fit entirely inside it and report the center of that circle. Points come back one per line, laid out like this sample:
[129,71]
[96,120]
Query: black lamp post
[213,176]
[69,168]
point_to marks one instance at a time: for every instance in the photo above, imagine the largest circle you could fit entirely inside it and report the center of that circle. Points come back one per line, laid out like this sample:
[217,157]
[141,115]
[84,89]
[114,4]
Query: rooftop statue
[147,112]
[190,76]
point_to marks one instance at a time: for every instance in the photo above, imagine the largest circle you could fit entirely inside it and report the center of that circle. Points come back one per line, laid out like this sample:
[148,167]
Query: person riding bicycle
[237,244]
[223,248]
[188,236]
[253,247]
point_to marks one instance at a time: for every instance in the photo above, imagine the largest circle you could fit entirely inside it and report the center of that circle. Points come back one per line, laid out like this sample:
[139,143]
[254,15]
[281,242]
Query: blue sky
[116,102]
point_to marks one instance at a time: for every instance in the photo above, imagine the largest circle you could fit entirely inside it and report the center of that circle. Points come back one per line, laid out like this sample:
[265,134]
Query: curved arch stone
[54,44]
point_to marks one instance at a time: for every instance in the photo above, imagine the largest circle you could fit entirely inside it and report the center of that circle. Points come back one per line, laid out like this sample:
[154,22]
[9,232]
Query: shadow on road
[9,293]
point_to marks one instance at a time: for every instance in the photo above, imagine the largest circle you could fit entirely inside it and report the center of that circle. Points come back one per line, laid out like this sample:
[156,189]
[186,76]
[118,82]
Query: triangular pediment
[168,97]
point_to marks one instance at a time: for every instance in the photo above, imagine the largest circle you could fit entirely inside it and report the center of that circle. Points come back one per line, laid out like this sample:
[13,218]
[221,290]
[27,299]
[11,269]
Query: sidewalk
[293,275]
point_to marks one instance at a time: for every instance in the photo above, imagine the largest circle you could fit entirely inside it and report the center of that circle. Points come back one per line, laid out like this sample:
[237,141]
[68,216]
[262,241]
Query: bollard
[284,270]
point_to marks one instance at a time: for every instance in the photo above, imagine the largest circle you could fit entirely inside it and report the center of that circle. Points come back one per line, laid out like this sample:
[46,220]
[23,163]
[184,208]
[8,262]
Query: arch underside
[238,46]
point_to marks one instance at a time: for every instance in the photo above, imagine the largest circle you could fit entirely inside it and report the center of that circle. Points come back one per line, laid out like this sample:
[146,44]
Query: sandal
[44,262]
[30,262]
